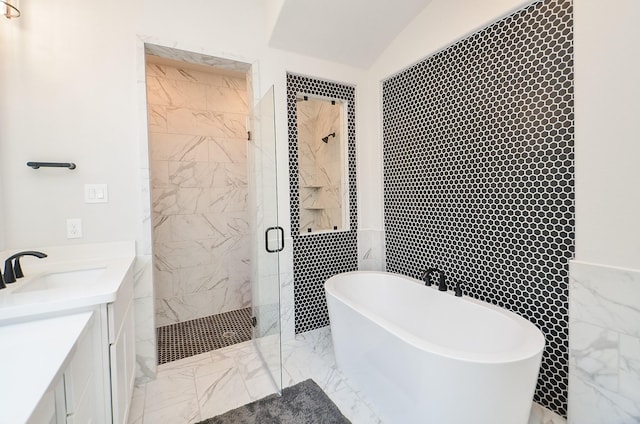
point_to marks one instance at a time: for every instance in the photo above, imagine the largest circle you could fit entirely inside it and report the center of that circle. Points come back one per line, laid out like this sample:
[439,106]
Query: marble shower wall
[320,165]
[604,344]
[198,161]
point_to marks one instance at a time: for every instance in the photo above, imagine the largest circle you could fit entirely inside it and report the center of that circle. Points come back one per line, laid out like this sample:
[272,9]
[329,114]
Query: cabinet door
[83,414]
[47,410]
[83,384]
[122,356]
[79,377]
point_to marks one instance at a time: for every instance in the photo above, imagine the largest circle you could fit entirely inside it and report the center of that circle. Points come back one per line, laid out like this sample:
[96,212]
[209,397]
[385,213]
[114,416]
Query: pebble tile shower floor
[189,338]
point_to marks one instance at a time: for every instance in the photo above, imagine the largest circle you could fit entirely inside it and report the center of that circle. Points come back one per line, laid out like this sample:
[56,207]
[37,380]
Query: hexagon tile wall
[318,256]
[479,172]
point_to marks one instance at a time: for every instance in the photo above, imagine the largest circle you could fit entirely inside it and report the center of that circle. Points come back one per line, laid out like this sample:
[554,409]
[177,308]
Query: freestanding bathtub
[424,356]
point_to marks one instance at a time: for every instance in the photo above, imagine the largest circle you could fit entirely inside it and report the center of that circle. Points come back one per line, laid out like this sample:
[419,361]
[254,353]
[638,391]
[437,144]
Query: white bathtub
[424,356]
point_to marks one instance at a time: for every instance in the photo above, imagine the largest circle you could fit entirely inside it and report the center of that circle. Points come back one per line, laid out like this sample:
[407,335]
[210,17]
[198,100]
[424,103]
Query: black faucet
[14,271]
[426,276]
[458,290]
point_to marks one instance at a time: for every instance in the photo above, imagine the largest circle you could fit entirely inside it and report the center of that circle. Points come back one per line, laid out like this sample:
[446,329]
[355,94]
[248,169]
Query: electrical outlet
[74,228]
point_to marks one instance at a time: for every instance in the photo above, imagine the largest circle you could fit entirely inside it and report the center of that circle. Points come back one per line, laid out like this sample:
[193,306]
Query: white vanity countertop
[32,356]
[113,259]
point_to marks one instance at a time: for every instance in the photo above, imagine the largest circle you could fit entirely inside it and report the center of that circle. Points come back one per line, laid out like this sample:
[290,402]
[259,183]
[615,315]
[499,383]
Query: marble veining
[195,58]
[541,415]
[228,150]
[199,207]
[606,296]
[370,250]
[178,147]
[604,347]
[209,384]
[629,366]
[157,118]
[225,99]
[176,93]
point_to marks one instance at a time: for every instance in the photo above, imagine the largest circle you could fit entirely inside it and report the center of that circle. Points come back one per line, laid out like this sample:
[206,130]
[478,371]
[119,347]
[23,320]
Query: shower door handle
[280,239]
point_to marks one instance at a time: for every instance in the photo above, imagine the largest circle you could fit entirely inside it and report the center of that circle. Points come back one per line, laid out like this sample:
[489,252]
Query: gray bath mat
[304,403]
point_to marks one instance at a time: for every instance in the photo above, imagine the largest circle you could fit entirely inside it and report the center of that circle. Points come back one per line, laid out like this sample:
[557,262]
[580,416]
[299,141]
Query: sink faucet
[426,276]
[14,271]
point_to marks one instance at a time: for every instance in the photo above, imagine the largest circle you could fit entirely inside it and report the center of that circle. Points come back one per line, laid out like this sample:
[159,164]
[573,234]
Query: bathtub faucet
[426,276]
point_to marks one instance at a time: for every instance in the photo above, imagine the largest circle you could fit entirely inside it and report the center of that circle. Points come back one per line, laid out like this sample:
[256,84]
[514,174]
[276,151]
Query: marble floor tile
[209,384]
[359,411]
[220,360]
[221,392]
[187,412]
[136,411]
[212,383]
[188,364]
[175,388]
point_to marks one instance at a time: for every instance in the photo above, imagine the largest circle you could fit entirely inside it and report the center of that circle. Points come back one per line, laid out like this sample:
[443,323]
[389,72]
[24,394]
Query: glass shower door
[268,237]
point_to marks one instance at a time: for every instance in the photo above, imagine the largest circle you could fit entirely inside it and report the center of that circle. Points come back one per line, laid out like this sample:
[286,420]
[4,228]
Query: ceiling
[352,32]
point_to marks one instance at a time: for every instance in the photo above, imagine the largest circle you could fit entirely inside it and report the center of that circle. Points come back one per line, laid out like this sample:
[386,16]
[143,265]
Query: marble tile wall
[371,250]
[604,344]
[144,313]
[198,170]
[541,415]
[320,165]
[144,318]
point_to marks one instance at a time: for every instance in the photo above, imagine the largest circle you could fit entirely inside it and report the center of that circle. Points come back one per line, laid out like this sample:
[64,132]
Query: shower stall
[214,202]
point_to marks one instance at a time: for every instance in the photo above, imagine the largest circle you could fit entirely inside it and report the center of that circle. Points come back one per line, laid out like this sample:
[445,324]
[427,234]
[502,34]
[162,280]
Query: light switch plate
[96,193]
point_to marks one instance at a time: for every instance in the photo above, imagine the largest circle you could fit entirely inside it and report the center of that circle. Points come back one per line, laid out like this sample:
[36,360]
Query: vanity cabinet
[82,380]
[122,354]
[46,412]
[96,385]
[69,330]
[75,395]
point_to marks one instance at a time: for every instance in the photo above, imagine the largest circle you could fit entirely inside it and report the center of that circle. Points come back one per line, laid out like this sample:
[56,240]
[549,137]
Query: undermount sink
[60,280]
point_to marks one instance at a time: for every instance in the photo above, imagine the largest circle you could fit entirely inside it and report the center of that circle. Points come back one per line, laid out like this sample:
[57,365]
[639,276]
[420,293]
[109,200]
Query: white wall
[69,94]
[72,84]
[59,63]
[67,89]
[604,318]
[607,107]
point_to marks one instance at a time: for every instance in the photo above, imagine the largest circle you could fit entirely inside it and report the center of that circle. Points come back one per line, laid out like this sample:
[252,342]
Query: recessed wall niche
[318,256]
[479,172]
[322,165]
